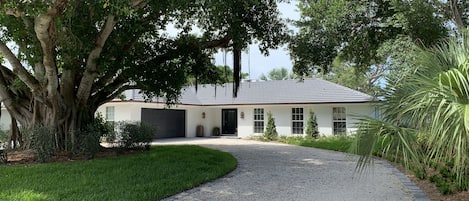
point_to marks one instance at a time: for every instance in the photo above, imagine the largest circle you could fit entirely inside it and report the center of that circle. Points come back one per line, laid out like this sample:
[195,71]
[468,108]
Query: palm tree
[425,117]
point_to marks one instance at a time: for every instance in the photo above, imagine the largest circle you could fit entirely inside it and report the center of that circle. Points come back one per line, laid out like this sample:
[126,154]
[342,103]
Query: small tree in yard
[312,125]
[270,132]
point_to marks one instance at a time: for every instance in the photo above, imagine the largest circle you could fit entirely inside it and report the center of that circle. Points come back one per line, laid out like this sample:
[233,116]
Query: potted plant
[216,131]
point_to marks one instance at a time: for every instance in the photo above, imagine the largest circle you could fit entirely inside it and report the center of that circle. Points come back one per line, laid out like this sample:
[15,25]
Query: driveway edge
[418,194]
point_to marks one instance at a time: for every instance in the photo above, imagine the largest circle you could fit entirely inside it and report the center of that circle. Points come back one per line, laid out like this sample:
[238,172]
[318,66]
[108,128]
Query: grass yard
[336,143]
[159,173]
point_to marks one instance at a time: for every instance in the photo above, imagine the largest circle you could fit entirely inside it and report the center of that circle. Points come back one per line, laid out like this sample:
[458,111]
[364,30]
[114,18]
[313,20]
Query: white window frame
[258,119]
[110,113]
[339,117]
[297,118]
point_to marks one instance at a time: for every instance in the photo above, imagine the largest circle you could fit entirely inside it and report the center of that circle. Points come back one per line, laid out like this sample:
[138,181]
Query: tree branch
[220,43]
[7,97]
[138,3]
[23,44]
[27,22]
[104,98]
[91,73]
[112,89]
[22,95]
[455,15]
[103,81]
[111,86]
[376,74]
[67,86]
[20,71]
[15,13]
[109,76]
[7,73]
[42,25]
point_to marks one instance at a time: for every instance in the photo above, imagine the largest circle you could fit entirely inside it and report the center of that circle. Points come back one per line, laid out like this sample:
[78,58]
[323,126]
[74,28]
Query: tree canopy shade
[68,57]
[356,29]
[400,53]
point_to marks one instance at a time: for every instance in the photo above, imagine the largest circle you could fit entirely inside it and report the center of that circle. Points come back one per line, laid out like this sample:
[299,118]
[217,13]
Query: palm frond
[385,139]
[432,102]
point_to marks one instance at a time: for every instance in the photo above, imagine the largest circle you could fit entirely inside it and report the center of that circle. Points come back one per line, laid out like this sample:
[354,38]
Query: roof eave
[245,104]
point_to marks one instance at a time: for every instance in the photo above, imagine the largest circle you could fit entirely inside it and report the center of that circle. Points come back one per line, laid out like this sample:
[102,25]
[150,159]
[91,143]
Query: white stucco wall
[193,119]
[131,111]
[212,119]
[283,117]
[246,124]
[357,111]
[123,111]
[5,120]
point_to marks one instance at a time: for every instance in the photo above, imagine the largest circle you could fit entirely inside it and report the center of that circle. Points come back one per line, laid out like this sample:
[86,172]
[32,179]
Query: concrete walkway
[273,171]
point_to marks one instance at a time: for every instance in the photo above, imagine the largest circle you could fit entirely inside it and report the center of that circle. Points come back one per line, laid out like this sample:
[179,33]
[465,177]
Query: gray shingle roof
[310,91]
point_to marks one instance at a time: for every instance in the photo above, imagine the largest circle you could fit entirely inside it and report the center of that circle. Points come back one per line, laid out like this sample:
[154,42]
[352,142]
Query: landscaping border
[418,194]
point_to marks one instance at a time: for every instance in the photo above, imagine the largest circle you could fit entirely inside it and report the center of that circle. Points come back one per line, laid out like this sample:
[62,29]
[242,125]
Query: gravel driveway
[273,171]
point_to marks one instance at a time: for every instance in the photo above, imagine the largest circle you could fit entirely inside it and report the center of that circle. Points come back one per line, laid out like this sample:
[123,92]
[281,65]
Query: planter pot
[200,131]
[216,131]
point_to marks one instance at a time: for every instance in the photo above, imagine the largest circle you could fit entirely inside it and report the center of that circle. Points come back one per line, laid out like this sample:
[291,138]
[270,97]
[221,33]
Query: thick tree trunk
[59,92]
[65,122]
[75,120]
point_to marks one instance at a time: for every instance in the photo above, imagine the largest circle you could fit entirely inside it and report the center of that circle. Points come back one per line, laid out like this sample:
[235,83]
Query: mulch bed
[430,188]
[28,156]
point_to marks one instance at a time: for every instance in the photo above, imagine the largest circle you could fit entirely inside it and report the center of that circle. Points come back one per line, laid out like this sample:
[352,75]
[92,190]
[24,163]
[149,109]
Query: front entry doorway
[229,122]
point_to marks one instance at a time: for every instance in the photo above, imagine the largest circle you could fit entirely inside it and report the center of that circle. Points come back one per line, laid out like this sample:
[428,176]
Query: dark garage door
[168,123]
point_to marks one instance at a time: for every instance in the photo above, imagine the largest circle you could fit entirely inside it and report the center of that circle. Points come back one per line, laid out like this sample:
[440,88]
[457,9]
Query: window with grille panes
[339,120]
[258,120]
[110,115]
[297,120]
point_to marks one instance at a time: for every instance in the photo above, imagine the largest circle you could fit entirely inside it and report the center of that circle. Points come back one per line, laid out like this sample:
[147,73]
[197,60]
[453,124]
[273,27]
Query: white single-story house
[289,101]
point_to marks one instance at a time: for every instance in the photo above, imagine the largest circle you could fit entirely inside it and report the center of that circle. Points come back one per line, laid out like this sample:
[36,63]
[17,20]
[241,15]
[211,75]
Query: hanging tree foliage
[68,57]
[357,30]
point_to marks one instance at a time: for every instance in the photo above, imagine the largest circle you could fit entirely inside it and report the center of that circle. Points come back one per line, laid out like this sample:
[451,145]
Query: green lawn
[159,173]
[336,143]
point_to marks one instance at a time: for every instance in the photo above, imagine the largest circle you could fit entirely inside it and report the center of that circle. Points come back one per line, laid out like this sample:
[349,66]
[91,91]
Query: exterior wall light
[203,115]
[242,115]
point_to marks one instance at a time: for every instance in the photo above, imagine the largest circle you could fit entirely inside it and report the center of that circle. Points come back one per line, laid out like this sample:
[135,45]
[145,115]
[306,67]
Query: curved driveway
[273,171]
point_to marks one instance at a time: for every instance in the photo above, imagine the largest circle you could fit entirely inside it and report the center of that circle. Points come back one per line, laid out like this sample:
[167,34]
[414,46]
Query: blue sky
[254,62]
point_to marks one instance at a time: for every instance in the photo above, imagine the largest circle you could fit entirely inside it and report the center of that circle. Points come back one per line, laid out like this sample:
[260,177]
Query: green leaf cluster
[356,31]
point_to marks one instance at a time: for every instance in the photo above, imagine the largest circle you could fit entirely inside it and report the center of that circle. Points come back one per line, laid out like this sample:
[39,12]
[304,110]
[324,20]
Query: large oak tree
[68,57]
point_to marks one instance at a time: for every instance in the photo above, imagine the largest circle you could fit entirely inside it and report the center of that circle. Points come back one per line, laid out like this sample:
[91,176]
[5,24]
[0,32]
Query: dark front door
[229,121]
[167,123]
